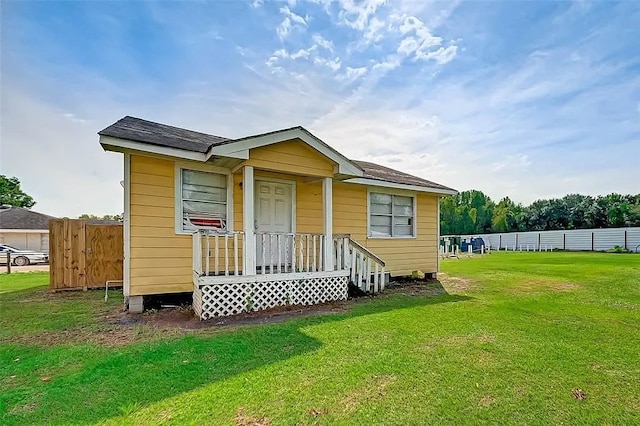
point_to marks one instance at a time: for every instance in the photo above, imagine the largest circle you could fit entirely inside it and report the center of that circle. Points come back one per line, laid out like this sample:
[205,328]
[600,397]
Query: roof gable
[239,148]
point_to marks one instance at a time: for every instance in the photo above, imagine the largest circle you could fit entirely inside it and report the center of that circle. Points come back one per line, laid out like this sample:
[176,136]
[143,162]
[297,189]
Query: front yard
[516,338]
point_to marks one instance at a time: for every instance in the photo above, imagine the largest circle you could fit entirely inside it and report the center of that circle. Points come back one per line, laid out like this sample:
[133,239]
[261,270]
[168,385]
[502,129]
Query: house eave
[395,185]
[110,143]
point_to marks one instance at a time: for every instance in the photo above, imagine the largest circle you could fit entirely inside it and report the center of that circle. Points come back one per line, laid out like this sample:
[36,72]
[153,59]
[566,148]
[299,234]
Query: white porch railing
[220,254]
[366,270]
[282,253]
[217,252]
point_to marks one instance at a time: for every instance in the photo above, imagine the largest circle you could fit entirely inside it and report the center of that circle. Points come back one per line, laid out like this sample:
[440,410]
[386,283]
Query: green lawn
[23,281]
[511,342]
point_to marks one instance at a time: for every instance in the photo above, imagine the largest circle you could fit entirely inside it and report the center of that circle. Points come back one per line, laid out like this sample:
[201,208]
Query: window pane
[403,205]
[203,193]
[381,231]
[381,209]
[381,220]
[403,220]
[204,178]
[402,231]
[380,198]
[212,209]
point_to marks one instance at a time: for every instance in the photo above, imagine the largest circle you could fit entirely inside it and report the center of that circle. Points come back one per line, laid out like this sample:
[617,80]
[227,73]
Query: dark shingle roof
[20,218]
[139,130]
[378,172]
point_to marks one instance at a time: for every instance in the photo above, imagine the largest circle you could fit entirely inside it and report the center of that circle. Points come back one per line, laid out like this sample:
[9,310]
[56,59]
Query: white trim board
[260,278]
[385,184]
[126,267]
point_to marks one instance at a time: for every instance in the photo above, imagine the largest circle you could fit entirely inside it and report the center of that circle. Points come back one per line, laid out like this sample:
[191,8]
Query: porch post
[327,212]
[249,249]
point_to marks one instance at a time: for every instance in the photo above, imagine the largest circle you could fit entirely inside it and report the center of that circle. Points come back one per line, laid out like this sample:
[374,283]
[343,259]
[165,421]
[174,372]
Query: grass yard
[517,338]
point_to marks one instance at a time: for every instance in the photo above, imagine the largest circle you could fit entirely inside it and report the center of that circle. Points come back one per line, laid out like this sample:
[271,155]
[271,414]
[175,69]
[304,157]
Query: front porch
[294,272]
[268,263]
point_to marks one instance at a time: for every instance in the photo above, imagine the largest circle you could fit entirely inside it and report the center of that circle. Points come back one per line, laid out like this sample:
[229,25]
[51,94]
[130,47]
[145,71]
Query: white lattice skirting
[230,298]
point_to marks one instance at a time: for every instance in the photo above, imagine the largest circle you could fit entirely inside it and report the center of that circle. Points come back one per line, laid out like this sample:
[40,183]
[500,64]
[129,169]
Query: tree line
[473,212]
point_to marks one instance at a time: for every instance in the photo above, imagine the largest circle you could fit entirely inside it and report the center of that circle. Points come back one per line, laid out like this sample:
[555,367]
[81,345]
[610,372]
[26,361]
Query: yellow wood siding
[401,255]
[160,259]
[293,156]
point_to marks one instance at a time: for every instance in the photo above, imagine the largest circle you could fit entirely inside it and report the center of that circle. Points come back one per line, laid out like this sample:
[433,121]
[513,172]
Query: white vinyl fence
[576,240]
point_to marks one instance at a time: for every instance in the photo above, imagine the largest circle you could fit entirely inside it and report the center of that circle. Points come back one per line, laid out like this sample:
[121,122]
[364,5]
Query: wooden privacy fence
[84,254]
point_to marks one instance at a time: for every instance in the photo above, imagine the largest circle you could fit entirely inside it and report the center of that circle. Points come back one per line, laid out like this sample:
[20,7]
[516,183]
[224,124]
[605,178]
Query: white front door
[273,213]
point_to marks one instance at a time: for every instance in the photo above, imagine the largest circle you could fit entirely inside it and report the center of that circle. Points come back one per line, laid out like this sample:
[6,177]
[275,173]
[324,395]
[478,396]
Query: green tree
[468,212]
[116,217]
[12,194]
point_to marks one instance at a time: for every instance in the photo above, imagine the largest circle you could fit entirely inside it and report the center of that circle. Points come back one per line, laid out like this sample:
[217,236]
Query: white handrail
[367,271]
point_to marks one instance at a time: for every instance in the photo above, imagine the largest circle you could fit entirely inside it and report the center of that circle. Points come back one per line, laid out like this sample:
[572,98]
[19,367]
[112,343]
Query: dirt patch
[373,390]
[278,314]
[456,284]
[486,401]
[244,419]
[539,285]
[578,394]
[415,288]
[114,328]
[23,409]
[29,268]
[461,340]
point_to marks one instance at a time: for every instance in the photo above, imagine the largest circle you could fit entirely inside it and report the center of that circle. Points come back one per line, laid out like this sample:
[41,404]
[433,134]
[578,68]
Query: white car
[21,257]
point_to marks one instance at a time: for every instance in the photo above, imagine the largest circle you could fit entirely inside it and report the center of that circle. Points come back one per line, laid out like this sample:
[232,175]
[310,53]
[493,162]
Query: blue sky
[525,99]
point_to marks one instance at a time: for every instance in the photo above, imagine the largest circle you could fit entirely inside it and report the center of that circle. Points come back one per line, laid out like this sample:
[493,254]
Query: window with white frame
[203,197]
[391,215]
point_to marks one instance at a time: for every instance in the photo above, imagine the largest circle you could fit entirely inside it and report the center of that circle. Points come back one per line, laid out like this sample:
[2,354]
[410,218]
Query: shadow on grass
[106,382]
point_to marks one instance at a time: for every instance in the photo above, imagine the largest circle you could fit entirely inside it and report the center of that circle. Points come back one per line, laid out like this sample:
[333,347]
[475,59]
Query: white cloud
[319,40]
[421,44]
[291,21]
[352,74]
[294,17]
[257,3]
[302,53]
[356,14]
[373,32]
[284,29]
[333,64]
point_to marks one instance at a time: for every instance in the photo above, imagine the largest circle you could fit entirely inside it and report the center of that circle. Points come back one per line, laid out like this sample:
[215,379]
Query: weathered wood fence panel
[83,254]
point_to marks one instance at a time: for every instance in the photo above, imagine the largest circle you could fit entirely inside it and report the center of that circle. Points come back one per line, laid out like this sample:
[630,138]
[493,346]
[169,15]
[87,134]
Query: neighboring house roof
[386,174]
[21,218]
[202,146]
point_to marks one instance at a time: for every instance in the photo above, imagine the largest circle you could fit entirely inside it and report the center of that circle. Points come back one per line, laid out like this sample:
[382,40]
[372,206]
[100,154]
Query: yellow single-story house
[265,220]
